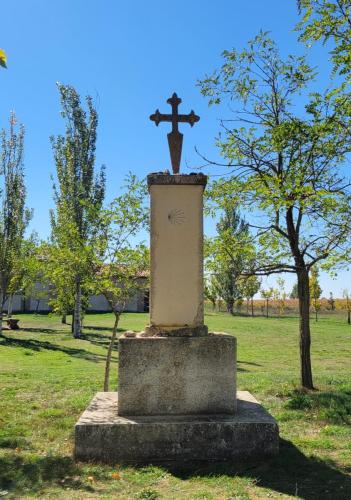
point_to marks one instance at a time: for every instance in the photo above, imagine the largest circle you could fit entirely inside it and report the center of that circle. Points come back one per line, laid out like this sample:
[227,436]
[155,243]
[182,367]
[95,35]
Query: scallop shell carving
[176,216]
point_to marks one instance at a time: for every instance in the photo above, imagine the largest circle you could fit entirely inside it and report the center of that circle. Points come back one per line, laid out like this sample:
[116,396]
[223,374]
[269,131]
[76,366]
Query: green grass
[47,378]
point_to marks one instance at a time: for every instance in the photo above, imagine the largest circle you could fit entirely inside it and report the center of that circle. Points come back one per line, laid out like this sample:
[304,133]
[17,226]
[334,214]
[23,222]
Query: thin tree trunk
[230,307]
[77,310]
[267,308]
[252,307]
[349,317]
[109,353]
[64,319]
[247,306]
[72,323]
[36,309]
[10,305]
[305,333]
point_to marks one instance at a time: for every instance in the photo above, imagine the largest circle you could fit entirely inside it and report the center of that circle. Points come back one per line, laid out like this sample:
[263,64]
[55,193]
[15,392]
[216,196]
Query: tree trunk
[10,305]
[305,333]
[267,308]
[64,319]
[230,307]
[247,306]
[36,309]
[109,353]
[252,307]
[349,317]
[77,310]
[72,323]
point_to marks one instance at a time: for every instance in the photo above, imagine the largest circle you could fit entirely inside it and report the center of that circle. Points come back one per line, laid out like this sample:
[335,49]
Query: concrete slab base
[102,435]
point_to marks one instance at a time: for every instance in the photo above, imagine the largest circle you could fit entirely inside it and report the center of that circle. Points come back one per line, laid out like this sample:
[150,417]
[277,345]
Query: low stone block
[177,375]
[102,435]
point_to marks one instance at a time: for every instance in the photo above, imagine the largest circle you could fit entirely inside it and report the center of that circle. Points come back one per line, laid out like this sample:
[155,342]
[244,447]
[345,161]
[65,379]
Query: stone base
[102,435]
[176,375]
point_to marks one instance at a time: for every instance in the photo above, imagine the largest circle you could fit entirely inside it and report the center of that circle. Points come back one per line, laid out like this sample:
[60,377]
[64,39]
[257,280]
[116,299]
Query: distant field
[47,379]
[290,308]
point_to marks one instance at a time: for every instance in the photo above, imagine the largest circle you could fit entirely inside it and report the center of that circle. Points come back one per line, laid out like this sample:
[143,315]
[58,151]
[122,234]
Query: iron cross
[175,138]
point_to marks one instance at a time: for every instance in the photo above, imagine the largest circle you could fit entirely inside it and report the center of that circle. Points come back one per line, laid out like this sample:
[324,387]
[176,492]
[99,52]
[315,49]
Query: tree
[14,216]
[267,294]
[284,168]
[78,196]
[328,21]
[25,270]
[331,301]
[123,269]
[281,295]
[346,296]
[227,256]
[294,292]
[3,58]
[211,290]
[250,285]
[315,290]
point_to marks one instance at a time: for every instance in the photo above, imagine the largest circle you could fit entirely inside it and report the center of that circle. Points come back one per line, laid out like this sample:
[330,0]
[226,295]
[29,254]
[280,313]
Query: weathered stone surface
[182,331]
[177,375]
[184,179]
[102,435]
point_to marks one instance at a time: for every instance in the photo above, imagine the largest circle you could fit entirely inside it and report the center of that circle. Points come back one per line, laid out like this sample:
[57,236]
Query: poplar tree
[286,168]
[78,195]
[227,256]
[14,216]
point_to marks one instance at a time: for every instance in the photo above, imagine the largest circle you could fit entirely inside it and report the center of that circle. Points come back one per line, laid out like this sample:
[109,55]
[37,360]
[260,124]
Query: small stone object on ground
[12,323]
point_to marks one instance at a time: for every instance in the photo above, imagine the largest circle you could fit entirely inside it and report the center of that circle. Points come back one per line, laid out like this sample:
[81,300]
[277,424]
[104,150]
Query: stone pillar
[176,367]
[176,294]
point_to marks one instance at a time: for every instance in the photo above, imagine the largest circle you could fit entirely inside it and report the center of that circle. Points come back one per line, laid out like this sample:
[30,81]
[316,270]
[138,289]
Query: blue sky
[130,56]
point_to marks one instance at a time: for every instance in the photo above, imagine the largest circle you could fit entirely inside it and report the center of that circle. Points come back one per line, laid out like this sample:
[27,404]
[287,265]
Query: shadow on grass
[40,345]
[290,473]
[42,330]
[20,474]
[100,340]
[248,363]
[100,328]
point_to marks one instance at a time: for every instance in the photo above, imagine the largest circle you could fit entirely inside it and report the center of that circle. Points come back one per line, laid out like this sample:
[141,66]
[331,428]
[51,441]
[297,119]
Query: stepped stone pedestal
[177,398]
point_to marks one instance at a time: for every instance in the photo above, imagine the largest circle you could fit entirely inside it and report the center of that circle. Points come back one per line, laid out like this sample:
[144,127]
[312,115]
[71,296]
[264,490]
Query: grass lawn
[47,379]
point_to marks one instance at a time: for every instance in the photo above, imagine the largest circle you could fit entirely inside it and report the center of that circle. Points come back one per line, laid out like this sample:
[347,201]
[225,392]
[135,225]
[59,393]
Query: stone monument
[177,396]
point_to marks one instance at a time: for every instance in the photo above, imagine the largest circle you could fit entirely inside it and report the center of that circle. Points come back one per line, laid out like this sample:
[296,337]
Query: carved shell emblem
[176,216]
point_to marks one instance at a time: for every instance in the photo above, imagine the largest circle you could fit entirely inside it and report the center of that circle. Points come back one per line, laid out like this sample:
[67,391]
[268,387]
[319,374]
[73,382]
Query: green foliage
[123,268]
[294,292]
[14,216]
[315,289]
[78,195]
[328,21]
[286,169]
[3,58]
[228,256]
